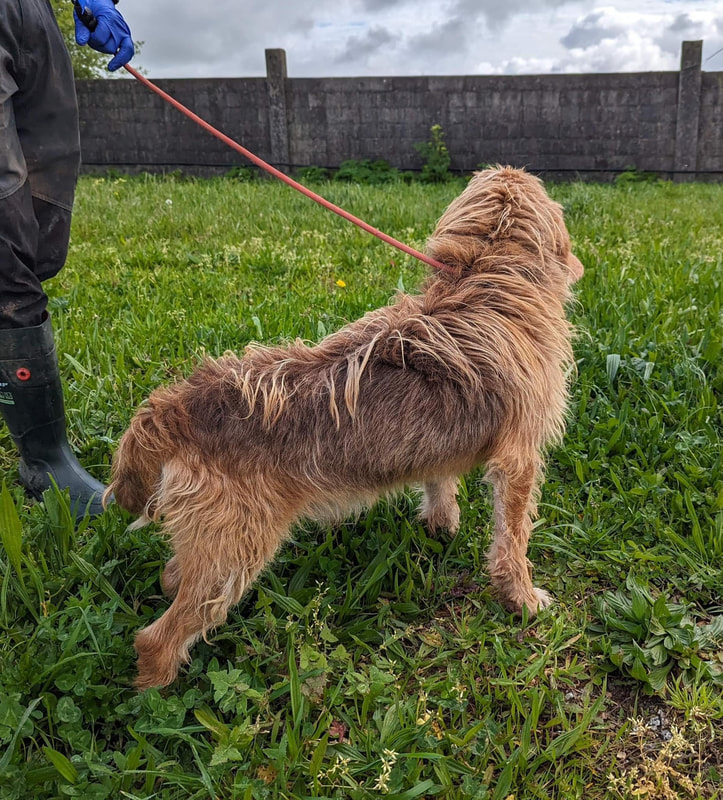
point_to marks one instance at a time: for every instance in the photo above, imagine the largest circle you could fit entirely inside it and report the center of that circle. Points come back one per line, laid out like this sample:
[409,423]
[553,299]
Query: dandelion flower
[341,283]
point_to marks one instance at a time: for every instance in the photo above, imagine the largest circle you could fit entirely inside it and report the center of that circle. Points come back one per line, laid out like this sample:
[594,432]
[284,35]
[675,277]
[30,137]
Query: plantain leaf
[62,764]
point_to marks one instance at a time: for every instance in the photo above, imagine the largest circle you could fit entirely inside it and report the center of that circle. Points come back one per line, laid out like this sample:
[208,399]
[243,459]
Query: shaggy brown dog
[471,371]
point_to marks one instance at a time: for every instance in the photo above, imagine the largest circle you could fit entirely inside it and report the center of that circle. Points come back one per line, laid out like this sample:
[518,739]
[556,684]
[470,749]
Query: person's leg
[22,300]
[46,112]
[39,154]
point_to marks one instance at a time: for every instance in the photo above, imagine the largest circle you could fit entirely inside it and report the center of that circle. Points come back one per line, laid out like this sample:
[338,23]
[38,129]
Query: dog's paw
[441,522]
[439,509]
[534,601]
[442,517]
[157,665]
[544,600]
[154,673]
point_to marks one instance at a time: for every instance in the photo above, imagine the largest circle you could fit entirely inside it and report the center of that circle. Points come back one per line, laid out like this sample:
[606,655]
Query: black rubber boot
[31,403]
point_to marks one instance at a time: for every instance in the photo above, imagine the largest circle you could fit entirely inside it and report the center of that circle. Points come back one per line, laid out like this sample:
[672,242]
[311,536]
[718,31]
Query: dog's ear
[576,268]
[138,460]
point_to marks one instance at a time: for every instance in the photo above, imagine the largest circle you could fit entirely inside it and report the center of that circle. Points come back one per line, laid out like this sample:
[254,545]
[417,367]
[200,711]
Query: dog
[472,371]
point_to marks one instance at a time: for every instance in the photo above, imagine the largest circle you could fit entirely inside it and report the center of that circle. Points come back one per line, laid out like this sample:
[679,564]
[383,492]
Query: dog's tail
[138,461]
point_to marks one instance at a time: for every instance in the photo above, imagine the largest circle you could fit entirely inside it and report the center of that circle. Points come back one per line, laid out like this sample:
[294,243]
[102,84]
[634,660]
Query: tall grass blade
[11,532]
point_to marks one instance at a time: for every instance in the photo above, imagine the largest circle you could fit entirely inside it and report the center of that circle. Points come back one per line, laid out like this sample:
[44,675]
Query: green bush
[243,174]
[634,175]
[313,174]
[367,172]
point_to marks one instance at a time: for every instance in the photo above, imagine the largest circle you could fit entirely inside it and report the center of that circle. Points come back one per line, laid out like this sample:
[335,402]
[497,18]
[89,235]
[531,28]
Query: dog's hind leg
[439,509]
[223,534]
[514,485]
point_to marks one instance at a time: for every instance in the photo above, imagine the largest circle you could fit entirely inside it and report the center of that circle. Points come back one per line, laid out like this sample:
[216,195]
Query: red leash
[286,179]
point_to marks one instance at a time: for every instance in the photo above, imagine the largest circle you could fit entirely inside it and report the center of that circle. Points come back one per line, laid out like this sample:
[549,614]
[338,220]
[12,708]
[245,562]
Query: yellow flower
[341,283]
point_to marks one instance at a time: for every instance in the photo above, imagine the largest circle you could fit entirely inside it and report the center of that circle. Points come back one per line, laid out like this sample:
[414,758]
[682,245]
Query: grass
[371,660]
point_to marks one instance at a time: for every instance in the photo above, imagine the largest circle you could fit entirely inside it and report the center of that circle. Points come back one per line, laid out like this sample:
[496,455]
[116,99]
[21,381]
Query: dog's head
[504,209]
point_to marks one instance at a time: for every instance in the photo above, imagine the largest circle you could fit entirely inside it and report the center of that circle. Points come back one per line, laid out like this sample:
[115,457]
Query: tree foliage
[87,63]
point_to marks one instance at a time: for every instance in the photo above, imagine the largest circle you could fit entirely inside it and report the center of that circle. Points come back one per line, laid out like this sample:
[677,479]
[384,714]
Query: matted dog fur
[471,371]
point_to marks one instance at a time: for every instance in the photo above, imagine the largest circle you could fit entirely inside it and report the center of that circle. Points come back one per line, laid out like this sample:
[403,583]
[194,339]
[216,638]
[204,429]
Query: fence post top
[275,62]
[691,55]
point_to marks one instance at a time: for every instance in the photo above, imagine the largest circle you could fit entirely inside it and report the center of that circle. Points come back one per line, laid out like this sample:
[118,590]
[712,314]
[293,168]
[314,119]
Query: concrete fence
[563,125]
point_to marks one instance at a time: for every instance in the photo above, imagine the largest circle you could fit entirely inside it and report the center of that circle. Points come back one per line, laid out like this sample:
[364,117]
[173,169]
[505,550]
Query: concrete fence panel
[566,125]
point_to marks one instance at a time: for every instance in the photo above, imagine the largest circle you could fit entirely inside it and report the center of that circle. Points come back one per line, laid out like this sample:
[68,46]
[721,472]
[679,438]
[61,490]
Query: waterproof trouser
[39,157]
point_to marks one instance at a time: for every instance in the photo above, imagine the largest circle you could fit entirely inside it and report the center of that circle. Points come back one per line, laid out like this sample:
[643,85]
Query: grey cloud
[496,14]
[450,38]
[358,48]
[680,23]
[686,27]
[187,38]
[591,30]
[468,24]
[382,5]
[219,37]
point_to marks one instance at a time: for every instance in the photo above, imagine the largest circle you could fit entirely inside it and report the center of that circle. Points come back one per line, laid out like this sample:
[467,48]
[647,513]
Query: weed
[668,770]
[435,157]
[647,638]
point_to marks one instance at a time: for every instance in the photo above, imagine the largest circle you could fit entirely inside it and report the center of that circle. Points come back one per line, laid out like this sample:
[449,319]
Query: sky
[347,38]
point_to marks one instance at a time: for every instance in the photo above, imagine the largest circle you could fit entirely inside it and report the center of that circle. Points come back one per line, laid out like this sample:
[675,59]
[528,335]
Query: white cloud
[609,40]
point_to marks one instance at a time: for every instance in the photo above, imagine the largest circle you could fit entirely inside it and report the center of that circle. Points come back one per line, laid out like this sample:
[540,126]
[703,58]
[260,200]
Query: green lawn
[371,660]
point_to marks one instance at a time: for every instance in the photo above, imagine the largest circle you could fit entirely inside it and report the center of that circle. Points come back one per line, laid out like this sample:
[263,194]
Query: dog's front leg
[223,532]
[439,509]
[514,487]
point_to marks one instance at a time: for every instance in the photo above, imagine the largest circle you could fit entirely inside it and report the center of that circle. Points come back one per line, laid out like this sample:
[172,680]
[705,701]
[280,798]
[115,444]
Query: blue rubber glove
[110,35]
